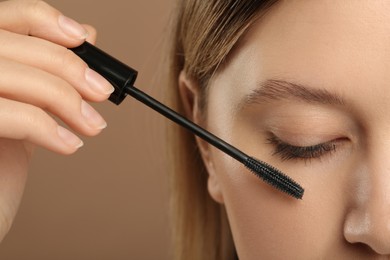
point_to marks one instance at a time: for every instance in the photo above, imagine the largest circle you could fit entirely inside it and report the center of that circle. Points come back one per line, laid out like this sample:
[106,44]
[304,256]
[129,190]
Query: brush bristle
[274,177]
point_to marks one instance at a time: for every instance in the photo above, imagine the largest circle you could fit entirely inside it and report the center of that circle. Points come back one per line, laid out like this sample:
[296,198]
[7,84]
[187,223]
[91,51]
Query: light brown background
[110,199]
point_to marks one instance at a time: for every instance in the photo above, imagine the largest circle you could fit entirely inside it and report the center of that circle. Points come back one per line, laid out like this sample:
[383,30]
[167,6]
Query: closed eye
[287,151]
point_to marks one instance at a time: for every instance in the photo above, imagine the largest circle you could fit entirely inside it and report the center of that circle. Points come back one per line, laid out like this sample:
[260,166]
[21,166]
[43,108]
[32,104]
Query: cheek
[267,224]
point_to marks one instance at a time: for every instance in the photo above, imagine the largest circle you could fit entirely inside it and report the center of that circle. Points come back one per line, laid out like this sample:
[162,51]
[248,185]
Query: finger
[56,60]
[30,85]
[26,122]
[37,18]
[91,33]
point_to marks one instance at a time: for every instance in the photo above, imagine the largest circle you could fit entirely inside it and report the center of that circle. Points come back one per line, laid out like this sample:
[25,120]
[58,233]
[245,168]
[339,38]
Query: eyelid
[308,136]
[273,138]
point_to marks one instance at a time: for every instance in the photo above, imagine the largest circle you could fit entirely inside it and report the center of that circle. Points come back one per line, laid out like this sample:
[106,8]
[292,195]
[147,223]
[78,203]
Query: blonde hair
[204,33]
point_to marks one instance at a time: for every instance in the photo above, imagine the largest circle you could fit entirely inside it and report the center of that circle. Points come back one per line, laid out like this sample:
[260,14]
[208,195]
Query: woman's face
[308,91]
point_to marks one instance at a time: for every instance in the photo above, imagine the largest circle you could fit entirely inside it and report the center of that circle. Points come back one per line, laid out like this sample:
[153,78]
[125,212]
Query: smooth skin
[342,47]
[41,79]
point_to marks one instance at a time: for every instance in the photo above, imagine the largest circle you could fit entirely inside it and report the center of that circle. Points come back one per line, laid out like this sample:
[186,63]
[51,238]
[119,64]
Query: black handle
[117,73]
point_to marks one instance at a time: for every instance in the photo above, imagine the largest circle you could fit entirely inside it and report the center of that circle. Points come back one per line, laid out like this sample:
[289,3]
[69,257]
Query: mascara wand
[122,77]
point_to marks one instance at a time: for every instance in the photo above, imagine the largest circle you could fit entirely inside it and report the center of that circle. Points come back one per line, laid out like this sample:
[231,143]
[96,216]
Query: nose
[368,220]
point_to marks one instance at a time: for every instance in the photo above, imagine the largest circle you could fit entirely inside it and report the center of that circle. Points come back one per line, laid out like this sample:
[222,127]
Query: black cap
[117,73]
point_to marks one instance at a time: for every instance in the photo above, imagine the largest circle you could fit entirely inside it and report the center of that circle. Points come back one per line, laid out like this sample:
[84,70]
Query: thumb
[37,18]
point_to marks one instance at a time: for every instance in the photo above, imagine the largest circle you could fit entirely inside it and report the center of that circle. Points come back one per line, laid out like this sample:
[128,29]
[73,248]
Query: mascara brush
[122,77]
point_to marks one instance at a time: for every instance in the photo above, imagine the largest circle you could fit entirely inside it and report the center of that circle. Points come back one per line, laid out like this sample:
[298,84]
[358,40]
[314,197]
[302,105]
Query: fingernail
[69,138]
[98,83]
[72,28]
[93,118]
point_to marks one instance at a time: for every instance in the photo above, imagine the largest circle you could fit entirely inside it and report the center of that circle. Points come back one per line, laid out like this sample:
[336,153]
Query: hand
[40,76]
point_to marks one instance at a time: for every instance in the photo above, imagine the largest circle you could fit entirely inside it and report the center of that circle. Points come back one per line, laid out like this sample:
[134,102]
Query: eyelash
[291,152]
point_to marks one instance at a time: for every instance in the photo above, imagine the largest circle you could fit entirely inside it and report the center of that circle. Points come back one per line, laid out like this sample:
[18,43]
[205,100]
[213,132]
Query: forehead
[330,44]
[345,33]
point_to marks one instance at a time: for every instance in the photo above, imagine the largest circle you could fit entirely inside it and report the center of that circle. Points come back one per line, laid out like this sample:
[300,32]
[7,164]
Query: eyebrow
[273,89]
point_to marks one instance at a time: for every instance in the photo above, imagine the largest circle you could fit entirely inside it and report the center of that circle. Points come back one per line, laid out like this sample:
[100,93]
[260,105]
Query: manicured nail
[93,118]
[72,28]
[98,83]
[69,138]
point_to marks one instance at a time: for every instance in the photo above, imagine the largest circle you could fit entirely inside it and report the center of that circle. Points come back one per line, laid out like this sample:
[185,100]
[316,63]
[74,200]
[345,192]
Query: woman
[299,84]
[302,85]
